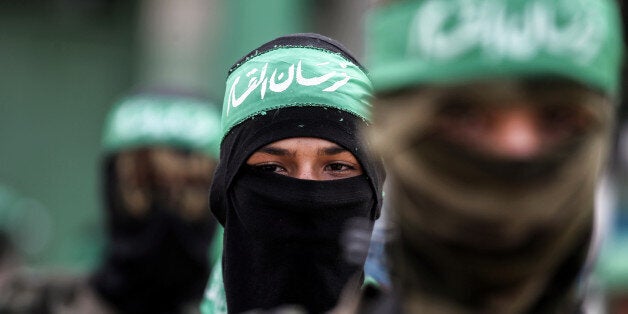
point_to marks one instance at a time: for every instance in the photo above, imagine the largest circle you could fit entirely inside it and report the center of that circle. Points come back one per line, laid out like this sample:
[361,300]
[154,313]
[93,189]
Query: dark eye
[564,118]
[339,167]
[269,168]
[556,114]
[460,111]
[453,108]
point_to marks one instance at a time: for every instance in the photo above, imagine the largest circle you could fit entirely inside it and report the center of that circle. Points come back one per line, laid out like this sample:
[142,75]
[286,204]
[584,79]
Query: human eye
[270,167]
[461,111]
[565,119]
[341,169]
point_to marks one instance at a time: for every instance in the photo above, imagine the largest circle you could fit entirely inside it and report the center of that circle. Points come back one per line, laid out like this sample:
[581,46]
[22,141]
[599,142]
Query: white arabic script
[280,81]
[489,26]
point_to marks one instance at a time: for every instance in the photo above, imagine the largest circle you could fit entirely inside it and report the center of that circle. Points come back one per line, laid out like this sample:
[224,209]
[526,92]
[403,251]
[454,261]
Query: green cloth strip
[148,120]
[294,76]
[411,43]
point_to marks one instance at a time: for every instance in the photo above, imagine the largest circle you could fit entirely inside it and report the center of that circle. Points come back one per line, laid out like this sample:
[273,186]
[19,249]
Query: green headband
[294,77]
[442,41]
[163,120]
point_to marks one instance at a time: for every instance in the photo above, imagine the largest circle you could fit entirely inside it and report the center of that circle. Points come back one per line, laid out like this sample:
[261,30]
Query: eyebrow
[276,151]
[333,150]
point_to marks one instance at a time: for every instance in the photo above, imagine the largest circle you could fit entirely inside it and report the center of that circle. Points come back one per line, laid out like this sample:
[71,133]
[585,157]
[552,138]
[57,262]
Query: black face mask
[156,263]
[282,235]
[285,248]
[303,211]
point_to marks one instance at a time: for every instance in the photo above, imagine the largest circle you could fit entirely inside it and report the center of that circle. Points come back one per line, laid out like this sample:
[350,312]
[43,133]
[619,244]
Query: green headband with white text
[294,77]
[415,42]
[148,120]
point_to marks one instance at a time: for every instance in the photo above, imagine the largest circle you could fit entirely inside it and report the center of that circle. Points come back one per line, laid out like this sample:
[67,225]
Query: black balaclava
[156,259]
[282,235]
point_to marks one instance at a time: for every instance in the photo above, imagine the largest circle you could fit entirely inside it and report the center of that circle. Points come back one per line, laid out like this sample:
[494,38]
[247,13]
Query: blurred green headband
[411,43]
[147,120]
[294,77]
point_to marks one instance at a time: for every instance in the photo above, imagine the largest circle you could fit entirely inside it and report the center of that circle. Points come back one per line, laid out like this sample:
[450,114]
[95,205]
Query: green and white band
[416,42]
[294,76]
[167,120]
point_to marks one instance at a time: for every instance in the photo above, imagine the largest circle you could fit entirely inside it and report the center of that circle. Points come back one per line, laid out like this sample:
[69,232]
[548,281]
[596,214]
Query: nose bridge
[516,132]
[305,174]
[306,171]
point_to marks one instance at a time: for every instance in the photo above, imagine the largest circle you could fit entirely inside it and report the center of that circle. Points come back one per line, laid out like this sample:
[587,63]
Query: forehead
[303,142]
[297,146]
[305,145]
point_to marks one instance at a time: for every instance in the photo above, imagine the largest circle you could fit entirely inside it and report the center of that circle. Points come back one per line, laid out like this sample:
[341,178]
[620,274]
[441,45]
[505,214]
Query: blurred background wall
[63,63]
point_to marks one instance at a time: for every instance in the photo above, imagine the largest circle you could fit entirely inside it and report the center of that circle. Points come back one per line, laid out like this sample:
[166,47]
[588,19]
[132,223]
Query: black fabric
[285,248]
[301,40]
[274,207]
[330,124]
[282,235]
[156,264]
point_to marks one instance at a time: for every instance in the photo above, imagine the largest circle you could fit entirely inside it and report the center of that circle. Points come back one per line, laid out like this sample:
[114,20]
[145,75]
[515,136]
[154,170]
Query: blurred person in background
[292,174]
[160,151]
[494,120]
[25,231]
[161,154]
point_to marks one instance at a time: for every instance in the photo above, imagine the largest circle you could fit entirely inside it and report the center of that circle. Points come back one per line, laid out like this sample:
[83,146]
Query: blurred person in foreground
[159,156]
[494,121]
[293,174]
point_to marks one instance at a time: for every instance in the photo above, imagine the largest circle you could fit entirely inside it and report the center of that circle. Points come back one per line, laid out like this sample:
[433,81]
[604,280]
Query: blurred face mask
[159,229]
[173,179]
[484,228]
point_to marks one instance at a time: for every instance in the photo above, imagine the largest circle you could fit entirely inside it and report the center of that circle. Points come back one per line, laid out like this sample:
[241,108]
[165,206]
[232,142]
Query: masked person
[159,154]
[160,157]
[493,119]
[292,173]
